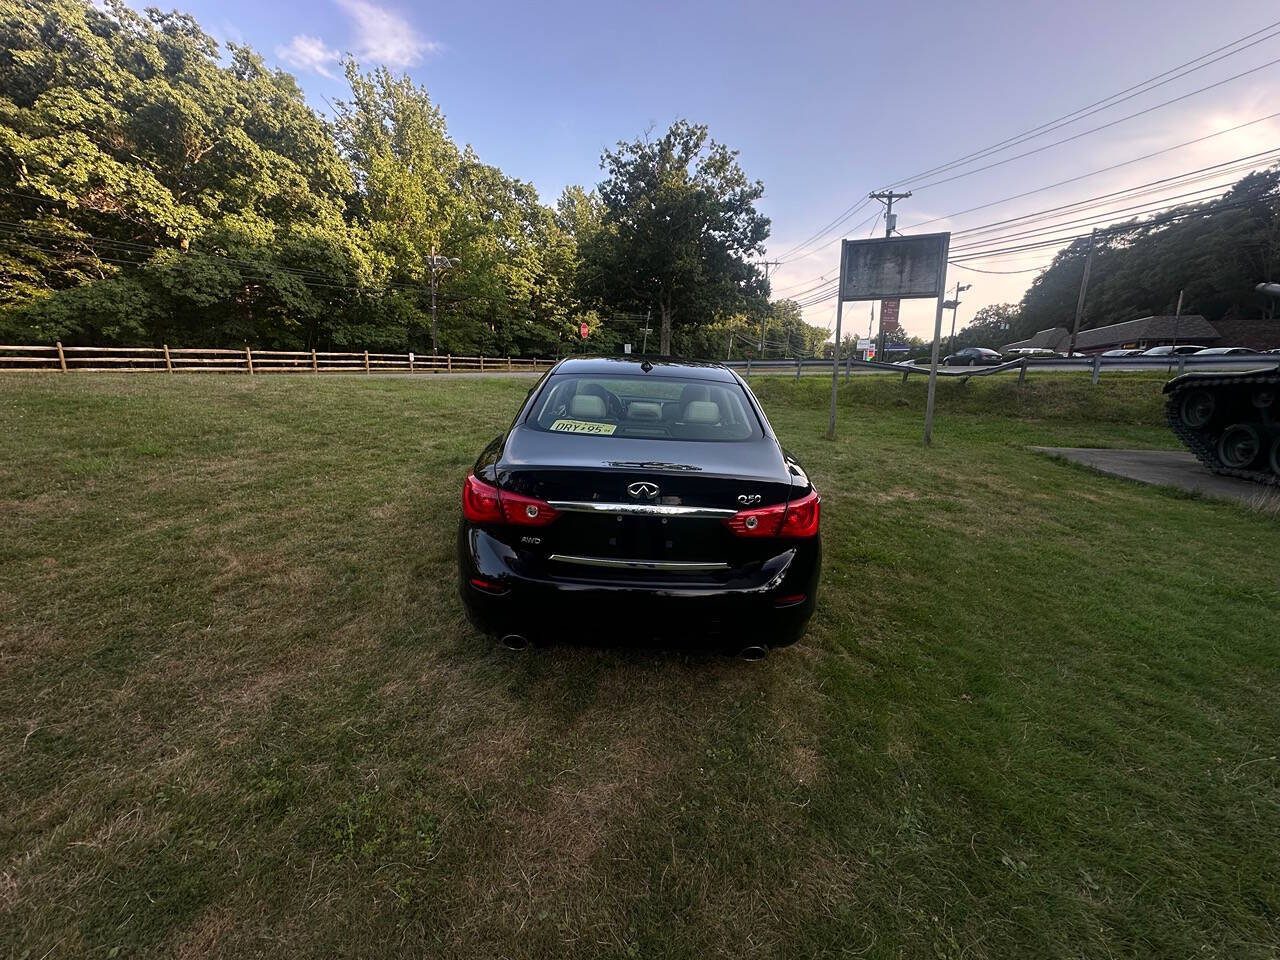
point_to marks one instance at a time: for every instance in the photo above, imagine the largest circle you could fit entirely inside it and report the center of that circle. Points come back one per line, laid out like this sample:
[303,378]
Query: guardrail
[1092,365]
[248,360]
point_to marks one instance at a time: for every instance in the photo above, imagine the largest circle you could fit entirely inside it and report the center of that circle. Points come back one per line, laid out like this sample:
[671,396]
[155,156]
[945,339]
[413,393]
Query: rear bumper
[543,600]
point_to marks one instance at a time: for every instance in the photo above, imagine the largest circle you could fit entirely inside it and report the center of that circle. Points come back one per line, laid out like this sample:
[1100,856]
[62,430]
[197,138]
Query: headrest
[701,411]
[587,405]
[644,410]
[694,391]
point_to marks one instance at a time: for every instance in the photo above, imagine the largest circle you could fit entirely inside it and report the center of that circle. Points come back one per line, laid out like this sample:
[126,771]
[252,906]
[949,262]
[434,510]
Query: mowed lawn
[1037,713]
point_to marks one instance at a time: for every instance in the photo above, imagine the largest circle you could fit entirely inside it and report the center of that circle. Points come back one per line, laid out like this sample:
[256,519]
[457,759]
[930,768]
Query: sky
[824,101]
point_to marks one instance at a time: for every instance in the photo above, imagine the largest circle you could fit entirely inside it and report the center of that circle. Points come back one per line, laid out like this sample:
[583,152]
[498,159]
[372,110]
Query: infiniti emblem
[643,490]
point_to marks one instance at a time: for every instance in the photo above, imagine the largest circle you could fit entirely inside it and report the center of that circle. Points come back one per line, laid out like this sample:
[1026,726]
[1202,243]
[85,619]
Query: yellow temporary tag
[583,426]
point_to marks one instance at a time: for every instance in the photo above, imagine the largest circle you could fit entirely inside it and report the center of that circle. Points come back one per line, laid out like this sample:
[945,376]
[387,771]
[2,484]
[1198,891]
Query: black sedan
[972,357]
[639,497]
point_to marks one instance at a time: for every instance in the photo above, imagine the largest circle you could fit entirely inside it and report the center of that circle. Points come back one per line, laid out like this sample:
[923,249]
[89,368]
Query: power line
[1094,173]
[1134,210]
[990,252]
[822,231]
[1104,126]
[1047,127]
[1104,104]
[1152,186]
[1247,162]
[965,266]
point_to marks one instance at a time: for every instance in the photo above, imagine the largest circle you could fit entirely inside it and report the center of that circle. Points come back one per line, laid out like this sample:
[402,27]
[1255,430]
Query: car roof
[633,367]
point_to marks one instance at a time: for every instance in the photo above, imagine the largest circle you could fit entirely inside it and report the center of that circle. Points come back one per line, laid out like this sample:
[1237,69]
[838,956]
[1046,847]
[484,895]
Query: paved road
[1169,468]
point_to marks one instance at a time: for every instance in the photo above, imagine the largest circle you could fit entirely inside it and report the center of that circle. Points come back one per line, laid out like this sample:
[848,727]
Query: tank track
[1232,405]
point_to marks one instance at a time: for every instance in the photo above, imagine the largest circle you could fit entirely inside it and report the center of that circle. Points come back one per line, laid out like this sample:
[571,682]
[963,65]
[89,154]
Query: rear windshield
[655,408]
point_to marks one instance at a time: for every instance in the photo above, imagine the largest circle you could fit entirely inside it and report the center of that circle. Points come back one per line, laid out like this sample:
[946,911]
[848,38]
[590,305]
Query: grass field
[1036,714]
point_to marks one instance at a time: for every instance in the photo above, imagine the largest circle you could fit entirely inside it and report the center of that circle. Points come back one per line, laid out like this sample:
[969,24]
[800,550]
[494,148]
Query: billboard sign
[889,268]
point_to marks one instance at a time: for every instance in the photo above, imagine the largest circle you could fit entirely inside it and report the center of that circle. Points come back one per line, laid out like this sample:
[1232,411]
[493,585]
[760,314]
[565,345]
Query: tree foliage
[155,187]
[678,224]
[1215,252]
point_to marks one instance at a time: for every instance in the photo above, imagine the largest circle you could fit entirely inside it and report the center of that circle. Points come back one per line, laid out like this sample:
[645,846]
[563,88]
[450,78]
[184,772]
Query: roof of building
[1190,327]
[633,367]
[1054,338]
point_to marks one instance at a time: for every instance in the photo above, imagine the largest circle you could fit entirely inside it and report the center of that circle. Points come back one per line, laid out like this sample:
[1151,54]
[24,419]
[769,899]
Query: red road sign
[584,330]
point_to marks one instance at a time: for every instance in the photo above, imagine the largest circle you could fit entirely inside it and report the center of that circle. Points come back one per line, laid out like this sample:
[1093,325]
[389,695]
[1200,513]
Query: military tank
[1230,421]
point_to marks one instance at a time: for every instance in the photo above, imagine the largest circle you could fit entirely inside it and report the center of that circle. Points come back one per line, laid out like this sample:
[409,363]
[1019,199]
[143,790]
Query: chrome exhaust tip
[753,653]
[515,641]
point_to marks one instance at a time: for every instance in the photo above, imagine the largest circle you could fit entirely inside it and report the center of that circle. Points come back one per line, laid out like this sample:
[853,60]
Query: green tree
[679,222]
[152,191]
[1216,252]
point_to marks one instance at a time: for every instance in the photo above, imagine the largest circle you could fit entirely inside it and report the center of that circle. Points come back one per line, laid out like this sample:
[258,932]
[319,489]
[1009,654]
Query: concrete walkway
[1169,468]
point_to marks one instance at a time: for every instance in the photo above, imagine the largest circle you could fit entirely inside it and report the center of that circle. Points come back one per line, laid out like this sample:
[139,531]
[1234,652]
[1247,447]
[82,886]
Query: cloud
[305,52]
[384,36]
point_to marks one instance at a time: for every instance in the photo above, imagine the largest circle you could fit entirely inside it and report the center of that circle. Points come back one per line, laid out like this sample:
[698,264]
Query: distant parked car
[1181,350]
[1224,352]
[1121,353]
[972,357]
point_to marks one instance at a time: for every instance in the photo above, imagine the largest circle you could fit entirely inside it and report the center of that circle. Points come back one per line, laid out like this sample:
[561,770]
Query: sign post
[892,269]
[937,341]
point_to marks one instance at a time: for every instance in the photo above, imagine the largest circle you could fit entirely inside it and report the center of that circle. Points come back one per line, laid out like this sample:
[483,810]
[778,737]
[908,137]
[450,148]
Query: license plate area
[623,537]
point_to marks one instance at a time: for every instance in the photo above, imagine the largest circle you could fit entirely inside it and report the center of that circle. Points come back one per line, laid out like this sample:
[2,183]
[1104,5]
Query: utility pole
[1177,316]
[765,317]
[890,224]
[1084,286]
[954,304]
[436,263]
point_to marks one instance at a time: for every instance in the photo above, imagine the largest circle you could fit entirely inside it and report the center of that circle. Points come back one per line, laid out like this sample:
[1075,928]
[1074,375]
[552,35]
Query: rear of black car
[645,500]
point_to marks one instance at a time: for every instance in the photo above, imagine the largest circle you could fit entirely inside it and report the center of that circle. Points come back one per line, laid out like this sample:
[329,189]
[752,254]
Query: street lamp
[954,305]
[437,263]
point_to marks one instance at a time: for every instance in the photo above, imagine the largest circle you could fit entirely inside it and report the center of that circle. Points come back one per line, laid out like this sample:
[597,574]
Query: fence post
[366,361]
[248,358]
[482,363]
[905,374]
[797,368]
[448,362]
[411,361]
[1022,371]
[62,358]
[748,368]
[1097,368]
[168,363]
[314,367]
[508,363]
[1182,364]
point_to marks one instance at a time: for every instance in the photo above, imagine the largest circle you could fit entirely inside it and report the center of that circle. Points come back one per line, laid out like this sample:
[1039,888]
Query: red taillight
[803,516]
[796,519]
[481,503]
[760,522]
[527,511]
[484,503]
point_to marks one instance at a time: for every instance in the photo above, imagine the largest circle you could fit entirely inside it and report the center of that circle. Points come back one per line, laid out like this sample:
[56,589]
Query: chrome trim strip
[640,509]
[686,566]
